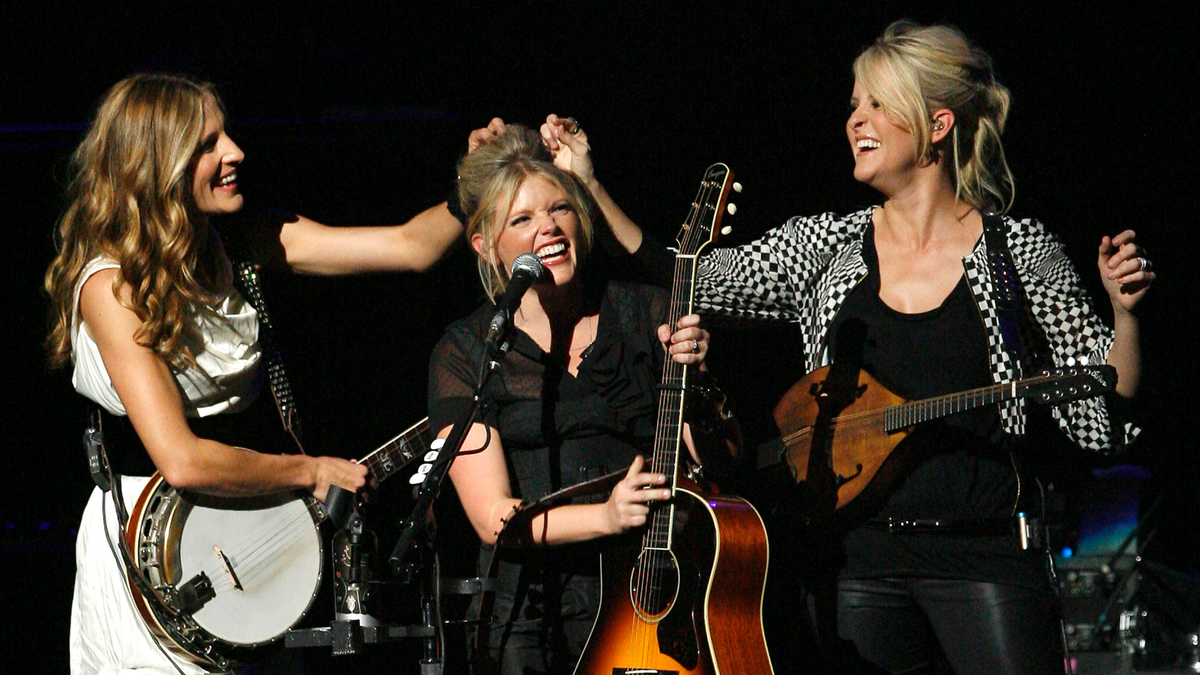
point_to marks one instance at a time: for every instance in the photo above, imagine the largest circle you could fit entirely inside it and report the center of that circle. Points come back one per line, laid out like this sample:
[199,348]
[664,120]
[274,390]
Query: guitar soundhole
[654,584]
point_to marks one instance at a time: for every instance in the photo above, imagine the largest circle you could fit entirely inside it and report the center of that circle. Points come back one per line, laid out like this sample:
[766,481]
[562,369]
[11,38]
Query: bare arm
[569,145]
[313,248]
[151,398]
[481,480]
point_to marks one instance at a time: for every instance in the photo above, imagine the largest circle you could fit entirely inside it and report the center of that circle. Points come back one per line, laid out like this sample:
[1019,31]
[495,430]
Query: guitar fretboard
[698,231]
[670,407]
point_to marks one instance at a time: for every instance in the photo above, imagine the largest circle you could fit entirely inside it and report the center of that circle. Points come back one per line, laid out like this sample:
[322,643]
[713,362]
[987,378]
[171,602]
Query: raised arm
[1127,275]
[152,400]
[312,248]
[568,144]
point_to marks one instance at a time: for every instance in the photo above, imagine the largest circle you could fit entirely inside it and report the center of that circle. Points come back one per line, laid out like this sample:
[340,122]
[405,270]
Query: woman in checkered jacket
[916,292]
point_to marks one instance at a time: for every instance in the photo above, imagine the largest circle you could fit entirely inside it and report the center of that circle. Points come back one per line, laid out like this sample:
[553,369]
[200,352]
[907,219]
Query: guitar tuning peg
[726,230]
[737,187]
[731,208]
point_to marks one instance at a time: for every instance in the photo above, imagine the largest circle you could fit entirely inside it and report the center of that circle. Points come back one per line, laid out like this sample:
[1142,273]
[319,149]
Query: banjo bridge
[228,567]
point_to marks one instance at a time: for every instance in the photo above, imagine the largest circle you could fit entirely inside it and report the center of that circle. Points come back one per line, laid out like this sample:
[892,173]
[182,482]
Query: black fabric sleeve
[453,373]
[654,262]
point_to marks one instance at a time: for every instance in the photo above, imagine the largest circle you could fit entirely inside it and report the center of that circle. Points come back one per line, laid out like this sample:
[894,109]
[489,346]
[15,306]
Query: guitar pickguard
[677,632]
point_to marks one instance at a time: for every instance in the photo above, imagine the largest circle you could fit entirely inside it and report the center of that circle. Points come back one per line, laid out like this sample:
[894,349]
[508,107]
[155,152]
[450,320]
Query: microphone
[527,270]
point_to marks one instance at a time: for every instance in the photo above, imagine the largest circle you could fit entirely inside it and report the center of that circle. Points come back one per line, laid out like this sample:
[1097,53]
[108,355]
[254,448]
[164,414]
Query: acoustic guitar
[689,600]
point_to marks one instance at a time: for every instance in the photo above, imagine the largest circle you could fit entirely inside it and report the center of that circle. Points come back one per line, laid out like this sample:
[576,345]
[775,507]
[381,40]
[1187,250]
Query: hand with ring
[689,343]
[568,144]
[1126,271]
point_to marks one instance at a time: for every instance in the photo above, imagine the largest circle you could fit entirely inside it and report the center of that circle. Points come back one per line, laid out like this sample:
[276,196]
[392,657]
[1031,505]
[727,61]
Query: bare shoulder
[104,312]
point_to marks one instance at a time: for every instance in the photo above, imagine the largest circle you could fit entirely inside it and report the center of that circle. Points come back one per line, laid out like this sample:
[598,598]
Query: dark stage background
[357,115]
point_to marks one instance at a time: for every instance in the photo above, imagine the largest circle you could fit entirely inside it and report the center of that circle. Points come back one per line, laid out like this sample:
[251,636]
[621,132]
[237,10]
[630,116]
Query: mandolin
[839,430]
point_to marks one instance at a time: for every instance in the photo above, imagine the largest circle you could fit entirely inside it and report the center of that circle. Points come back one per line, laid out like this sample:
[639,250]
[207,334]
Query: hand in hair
[482,136]
[571,151]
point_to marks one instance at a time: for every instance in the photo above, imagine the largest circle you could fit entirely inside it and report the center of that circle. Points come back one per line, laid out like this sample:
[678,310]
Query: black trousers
[929,625]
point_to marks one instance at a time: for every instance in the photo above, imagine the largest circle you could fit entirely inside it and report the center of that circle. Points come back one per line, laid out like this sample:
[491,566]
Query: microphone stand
[437,465]
[347,635]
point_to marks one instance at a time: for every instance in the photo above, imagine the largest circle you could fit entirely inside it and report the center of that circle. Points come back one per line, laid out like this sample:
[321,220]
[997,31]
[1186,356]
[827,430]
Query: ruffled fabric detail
[223,339]
[621,374]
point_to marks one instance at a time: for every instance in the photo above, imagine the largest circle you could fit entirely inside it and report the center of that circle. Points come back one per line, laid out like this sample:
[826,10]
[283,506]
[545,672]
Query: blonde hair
[129,198]
[488,181]
[913,70]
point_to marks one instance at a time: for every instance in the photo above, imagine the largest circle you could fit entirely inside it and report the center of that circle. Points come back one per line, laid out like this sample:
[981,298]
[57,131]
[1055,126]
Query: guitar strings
[935,407]
[940,405]
[248,559]
[652,565]
[265,558]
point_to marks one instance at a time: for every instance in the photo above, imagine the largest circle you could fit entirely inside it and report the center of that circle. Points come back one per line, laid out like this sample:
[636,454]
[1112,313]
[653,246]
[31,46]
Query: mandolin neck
[914,412]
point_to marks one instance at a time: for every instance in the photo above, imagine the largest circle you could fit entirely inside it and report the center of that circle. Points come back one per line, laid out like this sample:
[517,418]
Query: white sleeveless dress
[108,634]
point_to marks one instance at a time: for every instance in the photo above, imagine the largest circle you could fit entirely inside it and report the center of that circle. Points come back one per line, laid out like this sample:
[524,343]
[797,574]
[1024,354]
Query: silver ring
[695,346]
[1143,264]
[575,128]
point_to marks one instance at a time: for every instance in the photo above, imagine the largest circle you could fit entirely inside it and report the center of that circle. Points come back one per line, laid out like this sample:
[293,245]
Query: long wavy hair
[488,181]
[913,70]
[129,199]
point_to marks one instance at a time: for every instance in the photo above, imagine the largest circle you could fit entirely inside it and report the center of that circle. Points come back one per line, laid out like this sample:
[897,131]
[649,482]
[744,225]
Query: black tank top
[958,471]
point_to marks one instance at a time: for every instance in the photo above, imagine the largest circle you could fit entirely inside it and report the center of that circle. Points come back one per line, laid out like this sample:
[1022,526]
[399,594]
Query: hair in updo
[913,70]
[488,182]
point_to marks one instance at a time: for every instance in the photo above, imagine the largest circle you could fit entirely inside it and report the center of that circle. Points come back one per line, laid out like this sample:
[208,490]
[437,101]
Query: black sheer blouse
[557,429]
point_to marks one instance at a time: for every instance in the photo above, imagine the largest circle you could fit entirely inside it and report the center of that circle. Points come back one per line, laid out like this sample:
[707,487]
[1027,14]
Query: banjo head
[263,558]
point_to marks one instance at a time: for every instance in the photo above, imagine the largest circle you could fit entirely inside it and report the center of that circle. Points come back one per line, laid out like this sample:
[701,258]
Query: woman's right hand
[340,472]
[628,505]
[481,136]
[568,145]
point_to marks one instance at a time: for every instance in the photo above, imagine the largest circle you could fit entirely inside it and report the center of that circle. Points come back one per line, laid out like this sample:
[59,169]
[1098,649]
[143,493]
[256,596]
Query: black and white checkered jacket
[802,271]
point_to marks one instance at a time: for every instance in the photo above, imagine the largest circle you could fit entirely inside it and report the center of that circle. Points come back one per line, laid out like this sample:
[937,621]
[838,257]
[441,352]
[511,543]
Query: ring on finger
[1143,264]
[695,346]
[574,127]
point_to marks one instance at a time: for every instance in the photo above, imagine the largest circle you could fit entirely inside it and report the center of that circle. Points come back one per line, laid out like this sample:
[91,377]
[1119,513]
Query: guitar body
[707,617]
[840,458]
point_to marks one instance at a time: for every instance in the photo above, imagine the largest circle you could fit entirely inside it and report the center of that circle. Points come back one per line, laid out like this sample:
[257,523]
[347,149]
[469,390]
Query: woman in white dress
[145,310]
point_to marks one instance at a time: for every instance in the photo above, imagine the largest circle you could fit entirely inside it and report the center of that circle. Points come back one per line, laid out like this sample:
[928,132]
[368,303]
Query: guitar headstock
[1062,385]
[703,224]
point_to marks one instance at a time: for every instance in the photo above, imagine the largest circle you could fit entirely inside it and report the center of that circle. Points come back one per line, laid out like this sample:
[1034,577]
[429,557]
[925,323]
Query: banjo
[219,577]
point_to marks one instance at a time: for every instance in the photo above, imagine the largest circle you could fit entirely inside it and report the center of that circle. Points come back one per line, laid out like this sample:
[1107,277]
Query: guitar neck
[914,412]
[388,458]
[675,380]
[699,229]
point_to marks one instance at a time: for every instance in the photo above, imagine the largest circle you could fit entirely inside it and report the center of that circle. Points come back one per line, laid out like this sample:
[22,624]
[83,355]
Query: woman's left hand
[568,144]
[689,342]
[1125,270]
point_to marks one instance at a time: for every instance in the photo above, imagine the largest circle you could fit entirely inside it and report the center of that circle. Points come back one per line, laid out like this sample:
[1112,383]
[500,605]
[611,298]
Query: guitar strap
[1012,306]
[1006,284]
[246,280]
